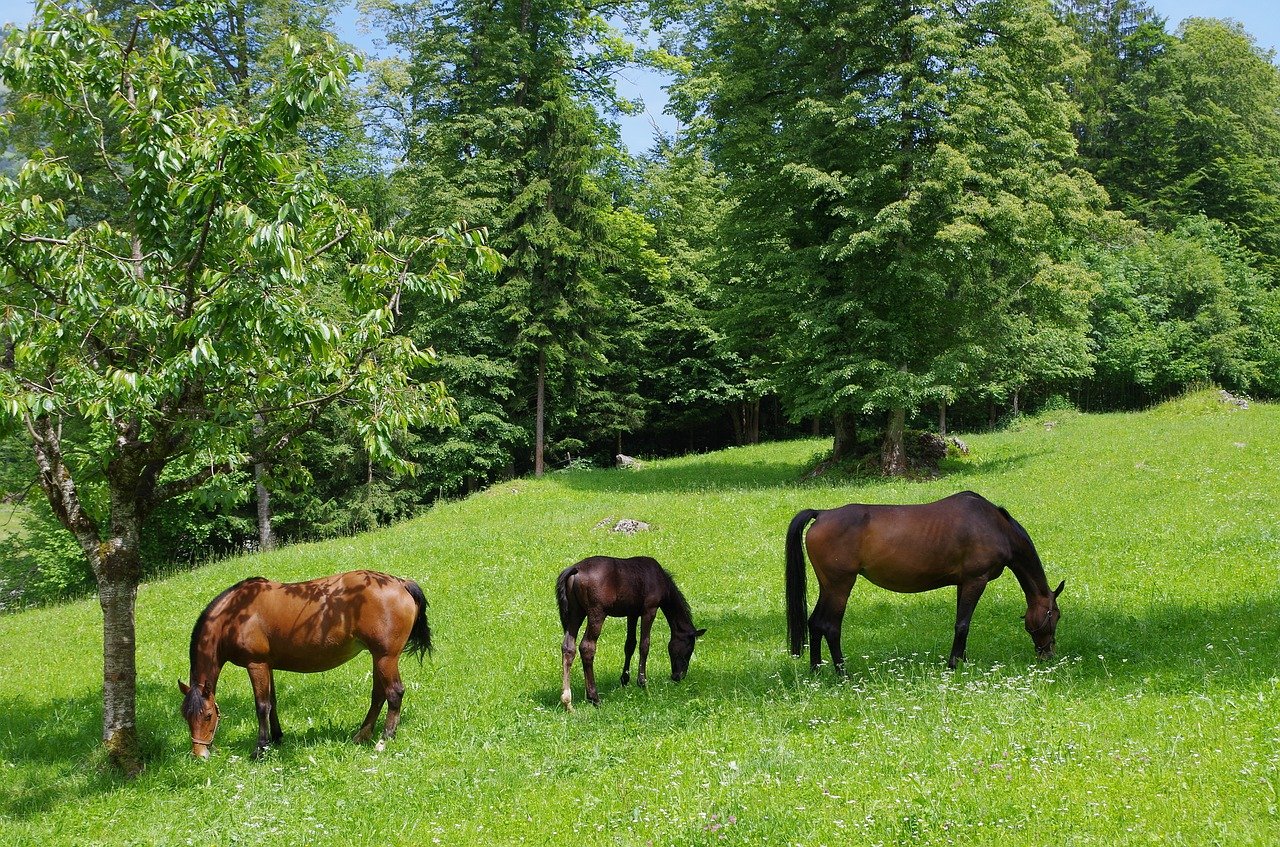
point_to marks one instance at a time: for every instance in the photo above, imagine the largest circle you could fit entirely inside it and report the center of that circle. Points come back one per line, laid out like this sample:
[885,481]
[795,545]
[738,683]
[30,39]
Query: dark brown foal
[636,588]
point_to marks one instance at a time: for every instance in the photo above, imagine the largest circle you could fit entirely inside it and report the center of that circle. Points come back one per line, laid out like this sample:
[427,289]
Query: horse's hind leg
[629,649]
[260,679]
[386,670]
[825,623]
[595,622]
[966,600]
[567,651]
[365,733]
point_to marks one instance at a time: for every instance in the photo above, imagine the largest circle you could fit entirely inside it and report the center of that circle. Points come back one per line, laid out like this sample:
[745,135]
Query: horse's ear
[698,633]
[1058,590]
[183,687]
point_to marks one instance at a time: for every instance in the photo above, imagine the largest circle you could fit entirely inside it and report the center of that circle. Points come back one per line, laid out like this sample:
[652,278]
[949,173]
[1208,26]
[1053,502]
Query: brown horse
[962,540]
[266,626]
[636,589]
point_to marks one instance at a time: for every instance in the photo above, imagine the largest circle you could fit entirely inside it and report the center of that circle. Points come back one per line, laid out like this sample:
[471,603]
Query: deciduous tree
[207,315]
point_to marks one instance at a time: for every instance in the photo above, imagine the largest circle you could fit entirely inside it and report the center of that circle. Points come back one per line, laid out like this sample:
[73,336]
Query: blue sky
[1260,17]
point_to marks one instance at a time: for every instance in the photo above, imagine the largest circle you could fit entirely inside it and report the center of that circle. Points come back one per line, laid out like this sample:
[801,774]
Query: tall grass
[1159,722]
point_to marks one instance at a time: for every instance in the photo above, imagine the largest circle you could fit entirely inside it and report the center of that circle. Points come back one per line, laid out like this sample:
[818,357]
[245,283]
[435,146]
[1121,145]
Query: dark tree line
[877,217]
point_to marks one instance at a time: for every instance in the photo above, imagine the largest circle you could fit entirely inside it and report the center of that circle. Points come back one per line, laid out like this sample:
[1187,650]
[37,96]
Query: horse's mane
[204,619]
[1033,577]
[675,598]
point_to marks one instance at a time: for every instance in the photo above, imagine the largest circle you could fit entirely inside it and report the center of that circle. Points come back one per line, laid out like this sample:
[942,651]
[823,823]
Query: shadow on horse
[265,626]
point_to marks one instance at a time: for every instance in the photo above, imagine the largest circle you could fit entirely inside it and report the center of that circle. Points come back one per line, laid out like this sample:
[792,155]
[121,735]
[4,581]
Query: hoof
[642,682]
[626,678]
[258,752]
[380,746]
[566,700]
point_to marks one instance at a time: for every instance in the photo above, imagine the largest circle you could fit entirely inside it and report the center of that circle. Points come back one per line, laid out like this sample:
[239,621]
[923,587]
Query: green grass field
[1158,723]
[10,520]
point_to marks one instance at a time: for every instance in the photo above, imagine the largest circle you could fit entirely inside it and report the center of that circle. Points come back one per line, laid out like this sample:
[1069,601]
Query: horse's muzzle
[200,751]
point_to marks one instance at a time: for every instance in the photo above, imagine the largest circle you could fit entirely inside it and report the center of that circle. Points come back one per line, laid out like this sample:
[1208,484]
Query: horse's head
[201,711]
[1041,621]
[681,649]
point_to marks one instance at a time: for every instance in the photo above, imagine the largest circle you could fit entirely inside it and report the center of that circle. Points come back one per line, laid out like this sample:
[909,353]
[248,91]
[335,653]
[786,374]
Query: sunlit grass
[1159,721]
[10,520]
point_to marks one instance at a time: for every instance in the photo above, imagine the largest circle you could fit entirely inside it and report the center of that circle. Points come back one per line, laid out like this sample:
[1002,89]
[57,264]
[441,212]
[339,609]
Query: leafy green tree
[1121,38]
[688,366]
[900,193]
[1181,308]
[1198,131]
[207,316]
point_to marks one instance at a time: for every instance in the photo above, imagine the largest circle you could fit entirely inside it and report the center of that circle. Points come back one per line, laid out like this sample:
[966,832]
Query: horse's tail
[797,604]
[562,594]
[420,635]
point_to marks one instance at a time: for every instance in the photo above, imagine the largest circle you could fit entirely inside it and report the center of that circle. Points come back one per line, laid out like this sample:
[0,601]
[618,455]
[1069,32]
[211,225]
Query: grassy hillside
[1160,721]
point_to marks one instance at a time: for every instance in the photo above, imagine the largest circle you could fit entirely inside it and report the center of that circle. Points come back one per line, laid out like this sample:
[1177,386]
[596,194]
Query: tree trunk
[117,594]
[893,453]
[539,424]
[753,421]
[1015,402]
[745,416]
[117,568]
[735,418]
[942,418]
[266,538]
[846,438]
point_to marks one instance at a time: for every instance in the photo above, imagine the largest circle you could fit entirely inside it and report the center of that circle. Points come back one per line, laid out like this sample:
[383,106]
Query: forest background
[862,220]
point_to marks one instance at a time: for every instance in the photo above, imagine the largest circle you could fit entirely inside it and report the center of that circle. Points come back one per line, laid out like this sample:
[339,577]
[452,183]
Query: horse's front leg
[277,734]
[595,622]
[629,649]
[260,679]
[646,627]
[966,599]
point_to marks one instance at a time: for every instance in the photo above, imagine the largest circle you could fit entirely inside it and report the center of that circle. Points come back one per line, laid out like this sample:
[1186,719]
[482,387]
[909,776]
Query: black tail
[797,602]
[420,635]
[562,595]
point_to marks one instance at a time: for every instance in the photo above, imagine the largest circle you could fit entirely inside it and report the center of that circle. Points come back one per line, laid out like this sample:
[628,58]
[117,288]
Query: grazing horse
[962,540]
[266,626]
[634,588]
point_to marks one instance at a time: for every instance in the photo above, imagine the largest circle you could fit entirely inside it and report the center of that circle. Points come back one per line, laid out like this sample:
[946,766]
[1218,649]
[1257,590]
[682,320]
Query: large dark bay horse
[266,626]
[962,540]
[602,586]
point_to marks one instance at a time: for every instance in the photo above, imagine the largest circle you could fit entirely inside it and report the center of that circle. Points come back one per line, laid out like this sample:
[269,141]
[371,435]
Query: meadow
[1158,722]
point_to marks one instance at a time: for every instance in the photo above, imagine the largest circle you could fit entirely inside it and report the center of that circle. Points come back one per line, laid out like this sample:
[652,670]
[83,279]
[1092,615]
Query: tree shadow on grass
[692,474]
[1229,644]
[990,466]
[57,747]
